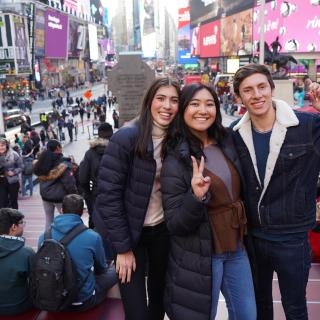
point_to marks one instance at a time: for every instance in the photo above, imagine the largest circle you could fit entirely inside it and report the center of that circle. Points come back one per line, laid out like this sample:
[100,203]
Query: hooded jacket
[89,166]
[15,262]
[86,251]
[58,182]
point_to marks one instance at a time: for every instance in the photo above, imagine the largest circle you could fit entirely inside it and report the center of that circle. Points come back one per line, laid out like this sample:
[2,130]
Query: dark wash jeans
[291,260]
[151,255]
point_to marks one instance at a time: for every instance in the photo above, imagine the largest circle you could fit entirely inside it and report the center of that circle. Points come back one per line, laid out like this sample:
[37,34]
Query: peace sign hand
[200,184]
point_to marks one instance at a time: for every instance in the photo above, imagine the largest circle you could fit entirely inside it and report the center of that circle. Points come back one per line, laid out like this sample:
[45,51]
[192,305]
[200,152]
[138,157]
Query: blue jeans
[231,274]
[291,260]
[23,184]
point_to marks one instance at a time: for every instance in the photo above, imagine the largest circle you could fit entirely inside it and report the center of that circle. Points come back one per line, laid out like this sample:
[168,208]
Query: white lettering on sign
[314,23]
[185,16]
[54,22]
[6,53]
[210,40]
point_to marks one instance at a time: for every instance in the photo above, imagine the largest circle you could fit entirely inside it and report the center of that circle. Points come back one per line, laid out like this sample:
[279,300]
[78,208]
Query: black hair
[8,217]
[105,130]
[47,159]
[179,131]
[53,144]
[73,203]
[145,118]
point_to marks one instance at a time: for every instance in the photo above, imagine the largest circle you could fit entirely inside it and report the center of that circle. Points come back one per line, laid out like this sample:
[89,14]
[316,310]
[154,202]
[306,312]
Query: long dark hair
[145,117]
[178,130]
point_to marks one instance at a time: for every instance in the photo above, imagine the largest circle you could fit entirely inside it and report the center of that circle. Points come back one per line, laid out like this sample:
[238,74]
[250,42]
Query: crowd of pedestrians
[196,207]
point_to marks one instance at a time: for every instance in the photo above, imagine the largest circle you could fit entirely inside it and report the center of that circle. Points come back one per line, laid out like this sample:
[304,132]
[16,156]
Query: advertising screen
[21,45]
[236,34]
[72,4]
[148,34]
[96,11]
[56,32]
[203,10]
[210,39]
[93,42]
[184,55]
[281,19]
[40,23]
[73,39]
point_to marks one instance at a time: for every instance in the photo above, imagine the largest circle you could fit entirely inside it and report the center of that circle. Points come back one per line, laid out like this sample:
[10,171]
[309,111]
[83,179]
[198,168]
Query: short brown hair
[248,70]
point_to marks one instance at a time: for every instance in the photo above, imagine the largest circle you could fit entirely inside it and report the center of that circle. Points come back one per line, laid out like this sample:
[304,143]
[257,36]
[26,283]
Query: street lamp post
[261,42]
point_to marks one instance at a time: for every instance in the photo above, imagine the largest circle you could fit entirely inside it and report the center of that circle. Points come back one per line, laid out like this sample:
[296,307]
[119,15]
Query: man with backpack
[58,284]
[15,264]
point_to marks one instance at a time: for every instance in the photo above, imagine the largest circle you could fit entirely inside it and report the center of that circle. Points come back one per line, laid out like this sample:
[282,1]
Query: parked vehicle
[15,117]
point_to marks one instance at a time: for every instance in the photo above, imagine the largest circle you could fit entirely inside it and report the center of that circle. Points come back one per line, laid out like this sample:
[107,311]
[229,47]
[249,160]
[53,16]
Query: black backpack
[53,280]
[28,166]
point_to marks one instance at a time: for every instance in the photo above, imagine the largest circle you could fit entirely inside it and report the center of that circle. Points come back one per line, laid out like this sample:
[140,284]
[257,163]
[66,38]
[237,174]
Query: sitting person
[15,261]
[87,253]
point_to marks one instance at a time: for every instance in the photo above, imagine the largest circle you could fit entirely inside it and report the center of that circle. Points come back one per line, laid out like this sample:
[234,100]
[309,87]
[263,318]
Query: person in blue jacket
[87,253]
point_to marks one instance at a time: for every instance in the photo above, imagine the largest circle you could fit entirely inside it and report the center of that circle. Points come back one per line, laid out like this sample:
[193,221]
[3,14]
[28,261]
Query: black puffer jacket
[124,187]
[89,166]
[58,182]
[189,275]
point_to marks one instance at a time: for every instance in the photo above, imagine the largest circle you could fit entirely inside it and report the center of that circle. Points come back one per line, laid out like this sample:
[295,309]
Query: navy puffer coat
[124,188]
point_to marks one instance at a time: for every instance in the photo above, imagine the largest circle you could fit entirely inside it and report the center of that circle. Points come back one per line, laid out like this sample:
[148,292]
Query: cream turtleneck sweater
[155,214]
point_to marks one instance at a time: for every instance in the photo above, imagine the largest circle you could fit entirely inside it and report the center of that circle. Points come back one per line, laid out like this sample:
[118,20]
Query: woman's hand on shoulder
[199,184]
[125,266]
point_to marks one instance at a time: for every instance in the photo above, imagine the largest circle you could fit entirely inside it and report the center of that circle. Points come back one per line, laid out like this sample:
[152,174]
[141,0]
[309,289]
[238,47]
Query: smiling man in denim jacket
[279,151]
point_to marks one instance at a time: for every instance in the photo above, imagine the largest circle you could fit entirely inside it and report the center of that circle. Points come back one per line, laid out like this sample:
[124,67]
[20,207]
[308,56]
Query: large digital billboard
[184,55]
[40,23]
[236,34]
[147,28]
[22,45]
[56,34]
[202,10]
[295,22]
[93,42]
[210,40]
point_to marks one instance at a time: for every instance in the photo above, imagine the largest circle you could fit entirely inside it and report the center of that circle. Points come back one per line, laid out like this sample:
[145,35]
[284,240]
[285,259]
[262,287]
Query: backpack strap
[73,233]
[47,234]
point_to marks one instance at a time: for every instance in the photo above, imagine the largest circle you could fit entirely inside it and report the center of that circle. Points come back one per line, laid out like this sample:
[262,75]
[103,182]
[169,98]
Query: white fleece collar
[284,115]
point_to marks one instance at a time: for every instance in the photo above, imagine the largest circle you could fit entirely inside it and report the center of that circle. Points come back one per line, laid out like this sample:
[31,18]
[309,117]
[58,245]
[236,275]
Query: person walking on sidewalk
[27,172]
[128,208]
[15,264]
[55,173]
[279,151]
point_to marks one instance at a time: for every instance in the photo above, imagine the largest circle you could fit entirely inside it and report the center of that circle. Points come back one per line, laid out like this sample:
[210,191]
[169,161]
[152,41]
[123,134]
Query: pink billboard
[295,22]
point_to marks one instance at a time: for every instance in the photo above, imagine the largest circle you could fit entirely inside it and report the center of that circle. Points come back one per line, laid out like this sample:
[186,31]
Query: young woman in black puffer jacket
[56,178]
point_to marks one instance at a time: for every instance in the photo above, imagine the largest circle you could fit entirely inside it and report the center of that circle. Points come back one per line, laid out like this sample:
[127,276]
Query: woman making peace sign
[200,183]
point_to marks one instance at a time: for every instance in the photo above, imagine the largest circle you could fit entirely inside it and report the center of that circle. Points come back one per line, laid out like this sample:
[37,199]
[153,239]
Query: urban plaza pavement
[33,211]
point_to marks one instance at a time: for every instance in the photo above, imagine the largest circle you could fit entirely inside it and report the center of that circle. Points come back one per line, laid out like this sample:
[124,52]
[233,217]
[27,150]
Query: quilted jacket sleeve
[183,211]
[110,204]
